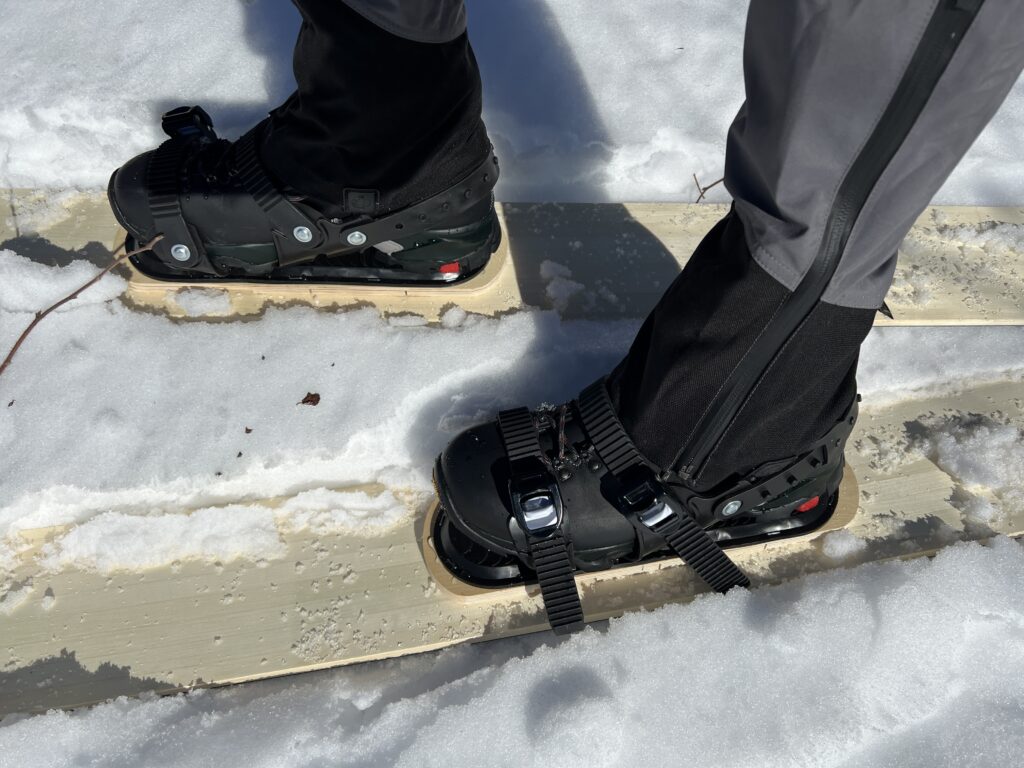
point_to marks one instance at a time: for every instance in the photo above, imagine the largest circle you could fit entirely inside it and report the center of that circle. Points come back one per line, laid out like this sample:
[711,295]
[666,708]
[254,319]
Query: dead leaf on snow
[311,398]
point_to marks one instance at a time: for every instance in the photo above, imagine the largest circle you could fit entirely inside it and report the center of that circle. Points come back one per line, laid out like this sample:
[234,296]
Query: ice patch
[453,317]
[560,288]
[12,599]
[200,302]
[324,511]
[407,320]
[549,270]
[842,545]
[116,542]
[983,456]
[997,238]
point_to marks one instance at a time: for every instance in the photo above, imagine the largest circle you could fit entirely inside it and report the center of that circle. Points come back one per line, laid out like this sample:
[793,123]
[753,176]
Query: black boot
[378,168]
[609,479]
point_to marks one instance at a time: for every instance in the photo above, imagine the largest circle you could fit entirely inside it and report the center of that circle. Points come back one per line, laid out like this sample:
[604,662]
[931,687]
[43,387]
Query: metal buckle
[648,501]
[657,513]
[536,500]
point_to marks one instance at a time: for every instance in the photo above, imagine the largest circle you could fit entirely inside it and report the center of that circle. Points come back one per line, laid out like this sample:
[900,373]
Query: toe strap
[537,507]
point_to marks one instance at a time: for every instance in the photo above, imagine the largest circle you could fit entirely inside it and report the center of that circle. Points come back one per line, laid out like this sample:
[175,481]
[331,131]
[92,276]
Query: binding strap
[296,236]
[537,506]
[162,172]
[647,500]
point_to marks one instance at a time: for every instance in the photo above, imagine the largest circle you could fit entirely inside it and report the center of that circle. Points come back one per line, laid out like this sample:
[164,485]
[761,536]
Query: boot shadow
[588,259]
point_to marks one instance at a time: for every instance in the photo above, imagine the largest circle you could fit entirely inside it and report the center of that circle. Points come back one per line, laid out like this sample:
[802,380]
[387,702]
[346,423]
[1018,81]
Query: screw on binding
[732,508]
[180,252]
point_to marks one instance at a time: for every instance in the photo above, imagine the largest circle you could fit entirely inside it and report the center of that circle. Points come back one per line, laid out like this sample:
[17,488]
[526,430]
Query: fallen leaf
[248,430]
[311,398]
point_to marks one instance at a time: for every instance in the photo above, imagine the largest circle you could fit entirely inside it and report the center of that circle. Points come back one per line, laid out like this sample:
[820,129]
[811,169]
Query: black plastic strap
[162,173]
[691,543]
[555,574]
[471,190]
[519,433]
[687,539]
[334,237]
[612,444]
[549,550]
[285,219]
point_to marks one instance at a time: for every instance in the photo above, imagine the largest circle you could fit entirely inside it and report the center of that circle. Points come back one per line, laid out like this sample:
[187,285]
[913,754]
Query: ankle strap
[646,501]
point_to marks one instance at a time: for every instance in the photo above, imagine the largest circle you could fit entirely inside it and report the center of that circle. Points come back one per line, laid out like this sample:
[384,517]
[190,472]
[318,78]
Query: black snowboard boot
[377,169]
[617,476]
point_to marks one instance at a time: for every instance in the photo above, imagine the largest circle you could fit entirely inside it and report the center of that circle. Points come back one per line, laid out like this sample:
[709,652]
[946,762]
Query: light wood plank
[621,256]
[337,599]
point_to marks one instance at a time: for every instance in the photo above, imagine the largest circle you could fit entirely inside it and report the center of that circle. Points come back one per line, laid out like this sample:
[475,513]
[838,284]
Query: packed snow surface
[147,416]
[585,101]
[898,664]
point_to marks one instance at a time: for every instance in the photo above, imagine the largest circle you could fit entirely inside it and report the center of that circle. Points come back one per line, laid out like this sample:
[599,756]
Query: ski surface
[82,637]
[958,265]
[74,636]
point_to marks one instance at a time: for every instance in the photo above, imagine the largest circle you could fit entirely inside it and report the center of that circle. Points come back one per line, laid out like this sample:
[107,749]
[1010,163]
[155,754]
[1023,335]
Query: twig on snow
[704,190]
[95,279]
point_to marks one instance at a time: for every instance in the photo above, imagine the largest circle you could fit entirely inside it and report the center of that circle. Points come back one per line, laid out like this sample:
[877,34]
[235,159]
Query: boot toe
[472,482]
[129,197]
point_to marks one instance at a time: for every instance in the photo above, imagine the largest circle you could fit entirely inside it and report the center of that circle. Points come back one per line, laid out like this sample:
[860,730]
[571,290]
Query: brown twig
[96,278]
[704,190]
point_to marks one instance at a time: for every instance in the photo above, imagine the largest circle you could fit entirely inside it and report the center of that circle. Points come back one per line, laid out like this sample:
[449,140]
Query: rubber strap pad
[691,543]
[613,446]
[555,574]
[550,552]
[519,434]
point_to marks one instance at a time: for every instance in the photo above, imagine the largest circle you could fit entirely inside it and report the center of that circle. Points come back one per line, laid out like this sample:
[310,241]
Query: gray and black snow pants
[856,111]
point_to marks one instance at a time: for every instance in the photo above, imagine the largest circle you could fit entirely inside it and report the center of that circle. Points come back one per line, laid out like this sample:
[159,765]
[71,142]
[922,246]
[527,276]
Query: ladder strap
[680,531]
[549,549]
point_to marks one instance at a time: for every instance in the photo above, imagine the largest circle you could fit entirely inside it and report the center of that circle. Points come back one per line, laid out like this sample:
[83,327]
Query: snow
[907,363]
[984,455]
[147,441]
[323,511]
[895,664]
[560,287]
[585,102]
[223,401]
[27,286]
[842,545]
[200,302]
[115,541]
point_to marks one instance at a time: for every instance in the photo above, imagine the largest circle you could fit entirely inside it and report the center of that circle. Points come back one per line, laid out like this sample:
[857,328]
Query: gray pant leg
[425,21]
[819,75]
